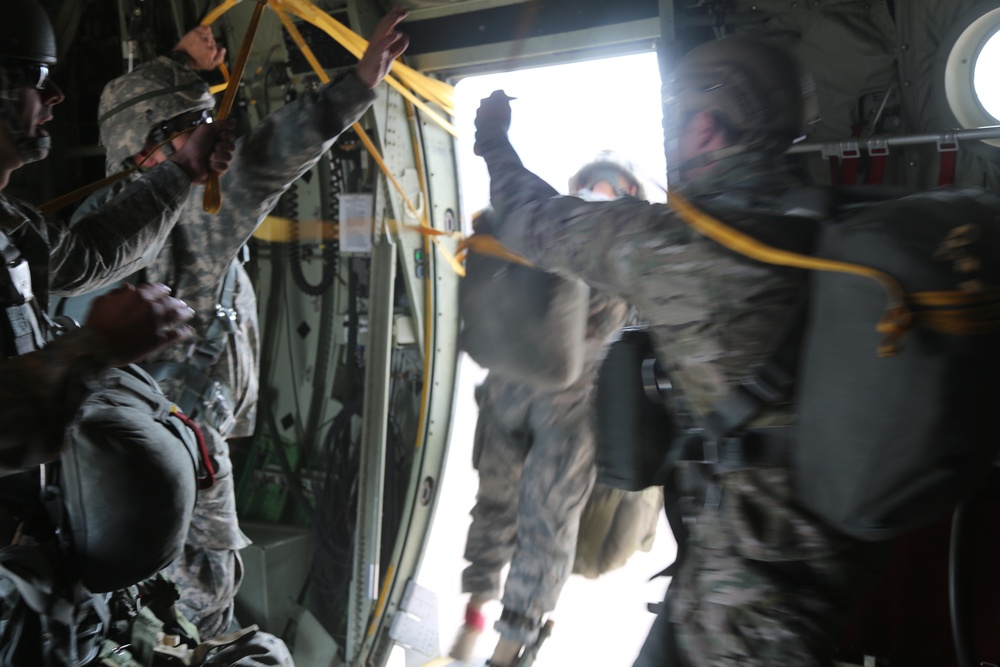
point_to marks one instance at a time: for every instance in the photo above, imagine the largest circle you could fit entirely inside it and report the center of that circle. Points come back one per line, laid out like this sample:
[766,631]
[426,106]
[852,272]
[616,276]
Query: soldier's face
[701,134]
[38,94]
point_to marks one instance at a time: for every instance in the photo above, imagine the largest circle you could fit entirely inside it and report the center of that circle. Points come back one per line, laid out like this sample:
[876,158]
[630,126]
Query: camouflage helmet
[136,103]
[607,166]
[757,90]
[26,33]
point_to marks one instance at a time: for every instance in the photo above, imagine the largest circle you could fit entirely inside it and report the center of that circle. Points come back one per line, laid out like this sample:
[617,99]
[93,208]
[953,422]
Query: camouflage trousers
[209,572]
[762,582]
[534,451]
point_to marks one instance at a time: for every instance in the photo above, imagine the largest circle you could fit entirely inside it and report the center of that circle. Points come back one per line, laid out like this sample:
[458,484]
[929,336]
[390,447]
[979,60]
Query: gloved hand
[492,121]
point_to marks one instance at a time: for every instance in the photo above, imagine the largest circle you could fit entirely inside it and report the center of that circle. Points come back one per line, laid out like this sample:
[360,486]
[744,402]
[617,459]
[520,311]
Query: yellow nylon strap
[219,87]
[449,257]
[301,43]
[970,312]
[485,244]
[433,90]
[209,19]
[954,298]
[223,7]
[213,191]
[438,93]
[894,323]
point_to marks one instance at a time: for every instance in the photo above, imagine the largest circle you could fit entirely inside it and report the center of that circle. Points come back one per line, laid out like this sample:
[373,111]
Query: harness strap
[18,300]
[201,399]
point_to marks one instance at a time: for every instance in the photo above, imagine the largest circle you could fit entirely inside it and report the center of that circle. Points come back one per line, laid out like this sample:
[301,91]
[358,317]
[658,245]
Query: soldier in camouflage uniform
[219,377]
[41,389]
[761,581]
[43,381]
[535,452]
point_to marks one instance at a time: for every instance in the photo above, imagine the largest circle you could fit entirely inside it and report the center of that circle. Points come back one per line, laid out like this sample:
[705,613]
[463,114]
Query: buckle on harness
[228,318]
[218,412]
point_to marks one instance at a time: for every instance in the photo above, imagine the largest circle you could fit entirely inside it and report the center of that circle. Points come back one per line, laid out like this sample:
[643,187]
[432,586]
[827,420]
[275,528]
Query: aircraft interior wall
[359,330]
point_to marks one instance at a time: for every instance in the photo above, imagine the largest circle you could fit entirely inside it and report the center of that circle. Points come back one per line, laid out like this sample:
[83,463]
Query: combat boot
[470,632]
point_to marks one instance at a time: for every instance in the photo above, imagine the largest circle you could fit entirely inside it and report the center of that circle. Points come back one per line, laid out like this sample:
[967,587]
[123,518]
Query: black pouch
[633,426]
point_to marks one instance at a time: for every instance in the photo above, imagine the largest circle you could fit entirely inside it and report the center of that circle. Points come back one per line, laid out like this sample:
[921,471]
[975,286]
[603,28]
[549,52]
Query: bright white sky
[986,76]
[565,116]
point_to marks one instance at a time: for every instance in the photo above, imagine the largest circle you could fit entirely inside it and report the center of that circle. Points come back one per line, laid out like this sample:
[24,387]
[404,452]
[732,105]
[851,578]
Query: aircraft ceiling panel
[501,35]
[425,9]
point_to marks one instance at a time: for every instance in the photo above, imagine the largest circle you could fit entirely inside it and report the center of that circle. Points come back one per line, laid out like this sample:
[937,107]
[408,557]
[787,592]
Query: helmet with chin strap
[27,44]
[755,89]
[137,104]
[610,168]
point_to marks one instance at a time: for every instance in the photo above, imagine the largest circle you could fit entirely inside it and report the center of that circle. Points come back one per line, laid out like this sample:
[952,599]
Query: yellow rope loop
[209,19]
[220,87]
[894,323]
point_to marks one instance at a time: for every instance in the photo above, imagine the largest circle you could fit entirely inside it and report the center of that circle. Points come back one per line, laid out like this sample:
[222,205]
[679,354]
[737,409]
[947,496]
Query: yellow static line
[213,191]
[383,596]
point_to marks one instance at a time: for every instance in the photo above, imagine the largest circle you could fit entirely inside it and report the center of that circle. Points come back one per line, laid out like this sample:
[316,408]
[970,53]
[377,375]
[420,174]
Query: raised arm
[127,232]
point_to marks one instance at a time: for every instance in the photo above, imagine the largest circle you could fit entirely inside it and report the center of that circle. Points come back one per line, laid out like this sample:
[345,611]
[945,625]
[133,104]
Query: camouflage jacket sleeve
[603,243]
[40,393]
[120,237]
[282,147]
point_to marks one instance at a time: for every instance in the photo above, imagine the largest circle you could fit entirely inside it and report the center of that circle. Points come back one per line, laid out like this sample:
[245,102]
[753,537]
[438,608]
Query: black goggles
[33,75]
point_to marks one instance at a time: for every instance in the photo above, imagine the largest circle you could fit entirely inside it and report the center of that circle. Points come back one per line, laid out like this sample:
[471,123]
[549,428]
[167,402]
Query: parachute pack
[113,510]
[895,372]
[525,324]
[128,477]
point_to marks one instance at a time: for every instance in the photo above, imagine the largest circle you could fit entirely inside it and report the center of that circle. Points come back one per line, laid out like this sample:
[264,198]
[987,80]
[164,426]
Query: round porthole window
[972,73]
[986,76]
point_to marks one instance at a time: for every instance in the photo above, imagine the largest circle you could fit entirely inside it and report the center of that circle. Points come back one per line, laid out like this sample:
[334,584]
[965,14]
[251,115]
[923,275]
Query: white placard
[356,222]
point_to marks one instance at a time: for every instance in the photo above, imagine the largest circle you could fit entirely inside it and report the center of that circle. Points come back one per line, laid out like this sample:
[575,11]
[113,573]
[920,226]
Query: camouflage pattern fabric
[259,649]
[194,261]
[209,572]
[535,451]
[763,578]
[41,391]
[764,582]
